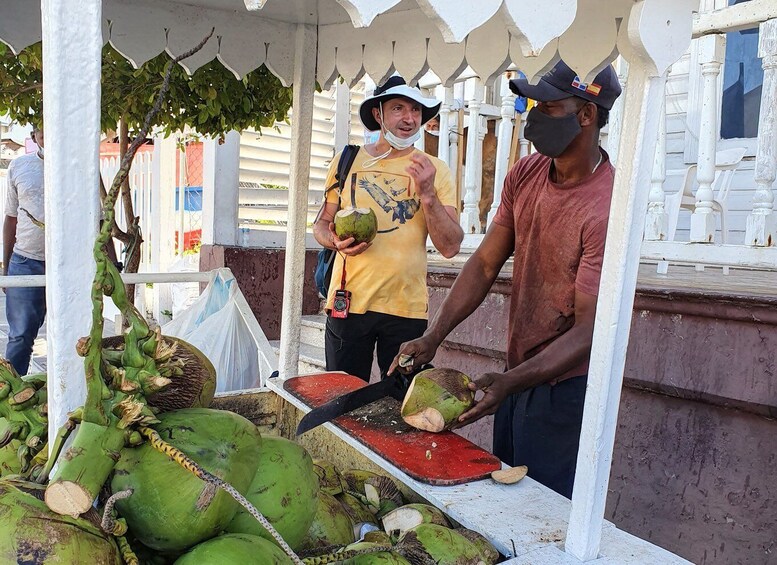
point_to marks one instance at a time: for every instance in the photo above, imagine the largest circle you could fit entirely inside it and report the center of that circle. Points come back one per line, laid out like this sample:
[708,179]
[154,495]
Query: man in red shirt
[553,219]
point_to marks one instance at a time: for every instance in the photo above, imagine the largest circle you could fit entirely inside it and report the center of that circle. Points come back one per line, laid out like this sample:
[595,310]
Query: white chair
[726,163]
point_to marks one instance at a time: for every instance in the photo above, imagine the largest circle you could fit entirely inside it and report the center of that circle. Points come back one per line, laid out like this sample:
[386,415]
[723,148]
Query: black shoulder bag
[326,257]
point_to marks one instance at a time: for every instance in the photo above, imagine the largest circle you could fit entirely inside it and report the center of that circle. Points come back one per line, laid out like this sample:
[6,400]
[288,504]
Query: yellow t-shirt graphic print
[390,277]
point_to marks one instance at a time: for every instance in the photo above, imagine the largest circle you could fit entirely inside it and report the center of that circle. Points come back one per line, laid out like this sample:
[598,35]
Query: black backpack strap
[347,158]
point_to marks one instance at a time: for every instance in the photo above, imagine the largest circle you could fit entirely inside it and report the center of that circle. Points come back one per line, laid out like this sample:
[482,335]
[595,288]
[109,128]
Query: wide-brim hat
[562,82]
[396,87]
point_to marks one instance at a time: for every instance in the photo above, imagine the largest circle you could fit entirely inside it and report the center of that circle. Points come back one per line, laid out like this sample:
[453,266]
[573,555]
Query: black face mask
[551,136]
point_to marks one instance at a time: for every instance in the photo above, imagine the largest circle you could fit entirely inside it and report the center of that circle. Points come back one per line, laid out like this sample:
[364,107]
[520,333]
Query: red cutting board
[437,459]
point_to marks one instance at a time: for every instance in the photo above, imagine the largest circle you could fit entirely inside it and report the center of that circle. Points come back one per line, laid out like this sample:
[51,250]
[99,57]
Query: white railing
[267,358]
[713,170]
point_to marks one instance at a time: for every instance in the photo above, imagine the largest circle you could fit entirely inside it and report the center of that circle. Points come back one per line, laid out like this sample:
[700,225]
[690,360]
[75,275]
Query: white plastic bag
[215,325]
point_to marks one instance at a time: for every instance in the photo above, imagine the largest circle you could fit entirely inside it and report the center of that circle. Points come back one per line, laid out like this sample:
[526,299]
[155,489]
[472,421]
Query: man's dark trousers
[350,342]
[540,428]
[25,309]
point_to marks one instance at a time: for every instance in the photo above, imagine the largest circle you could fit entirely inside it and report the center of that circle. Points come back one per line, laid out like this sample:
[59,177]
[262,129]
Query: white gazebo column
[470,217]
[712,50]
[648,63]
[342,115]
[616,113]
[220,190]
[163,219]
[299,180]
[72,39]
[504,138]
[443,144]
[656,221]
[762,221]
[523,143]
[453,148]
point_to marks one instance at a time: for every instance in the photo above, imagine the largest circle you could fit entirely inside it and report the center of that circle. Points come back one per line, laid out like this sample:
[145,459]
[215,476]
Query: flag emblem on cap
[592,88]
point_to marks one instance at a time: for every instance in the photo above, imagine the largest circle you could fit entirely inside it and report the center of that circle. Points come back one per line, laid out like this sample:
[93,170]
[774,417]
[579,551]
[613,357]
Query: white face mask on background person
[40,151]
[434,132]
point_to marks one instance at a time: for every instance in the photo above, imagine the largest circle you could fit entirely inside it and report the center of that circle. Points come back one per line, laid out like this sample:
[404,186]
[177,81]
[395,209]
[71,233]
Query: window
[742,82]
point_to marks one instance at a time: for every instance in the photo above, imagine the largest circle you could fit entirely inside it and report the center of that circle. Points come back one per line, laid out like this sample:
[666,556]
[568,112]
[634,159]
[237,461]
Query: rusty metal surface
[695,479]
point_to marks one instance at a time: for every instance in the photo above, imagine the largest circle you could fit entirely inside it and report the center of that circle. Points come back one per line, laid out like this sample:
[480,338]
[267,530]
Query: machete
[394,385]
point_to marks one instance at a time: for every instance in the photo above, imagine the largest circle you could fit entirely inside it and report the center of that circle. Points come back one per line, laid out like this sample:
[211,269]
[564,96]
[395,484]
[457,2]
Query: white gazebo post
[504,138]
[72,39]
[220,190]
[163,219]
[648,63]
[711,53]
[299,180]
[616,113]
[443,144]
[762,221]
[523,143]
[470,217]
[342,115]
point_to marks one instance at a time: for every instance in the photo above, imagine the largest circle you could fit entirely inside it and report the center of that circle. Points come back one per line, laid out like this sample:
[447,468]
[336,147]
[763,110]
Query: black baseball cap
[562,82]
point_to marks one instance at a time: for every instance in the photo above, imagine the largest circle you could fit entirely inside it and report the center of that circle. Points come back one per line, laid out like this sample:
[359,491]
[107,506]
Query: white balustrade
[762,222]
[443,144]
[711,55]
[655,220]
[470,217]
[504,139]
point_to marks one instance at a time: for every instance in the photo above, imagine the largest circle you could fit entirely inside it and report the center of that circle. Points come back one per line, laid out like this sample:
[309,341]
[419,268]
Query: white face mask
[401,142]
[434,132]
[397,143]
[40,151]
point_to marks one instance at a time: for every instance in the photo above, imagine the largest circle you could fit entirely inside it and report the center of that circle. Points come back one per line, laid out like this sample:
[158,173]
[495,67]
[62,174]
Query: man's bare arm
[466,294]
[9,240]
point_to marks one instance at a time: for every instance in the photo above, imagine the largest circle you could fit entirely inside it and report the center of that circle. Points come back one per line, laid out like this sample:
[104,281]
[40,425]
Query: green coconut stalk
[436,398]
[235,548]
[23,420]
[331,525]
[359,223]
[284,488]
[172,509]
[329,480]
[407,517]
[432,543]
[488,553]
[31,533]
[108,413]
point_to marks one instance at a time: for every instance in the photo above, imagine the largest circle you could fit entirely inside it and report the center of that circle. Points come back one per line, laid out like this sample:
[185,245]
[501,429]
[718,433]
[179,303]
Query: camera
[341,304]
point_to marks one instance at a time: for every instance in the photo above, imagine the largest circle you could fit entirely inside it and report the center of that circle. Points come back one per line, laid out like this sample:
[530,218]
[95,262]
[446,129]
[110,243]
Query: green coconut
[284,489]
[32,534]
[358,513]
[9,459]
[237,549]
[374,557]
[488,552]
[329,480]
[331,525]
[192,375]
[171,509]
[432,543]
[359,223]
[436,398]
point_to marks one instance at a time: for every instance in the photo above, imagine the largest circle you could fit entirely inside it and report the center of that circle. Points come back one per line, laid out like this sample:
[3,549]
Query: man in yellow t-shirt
[412,195]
